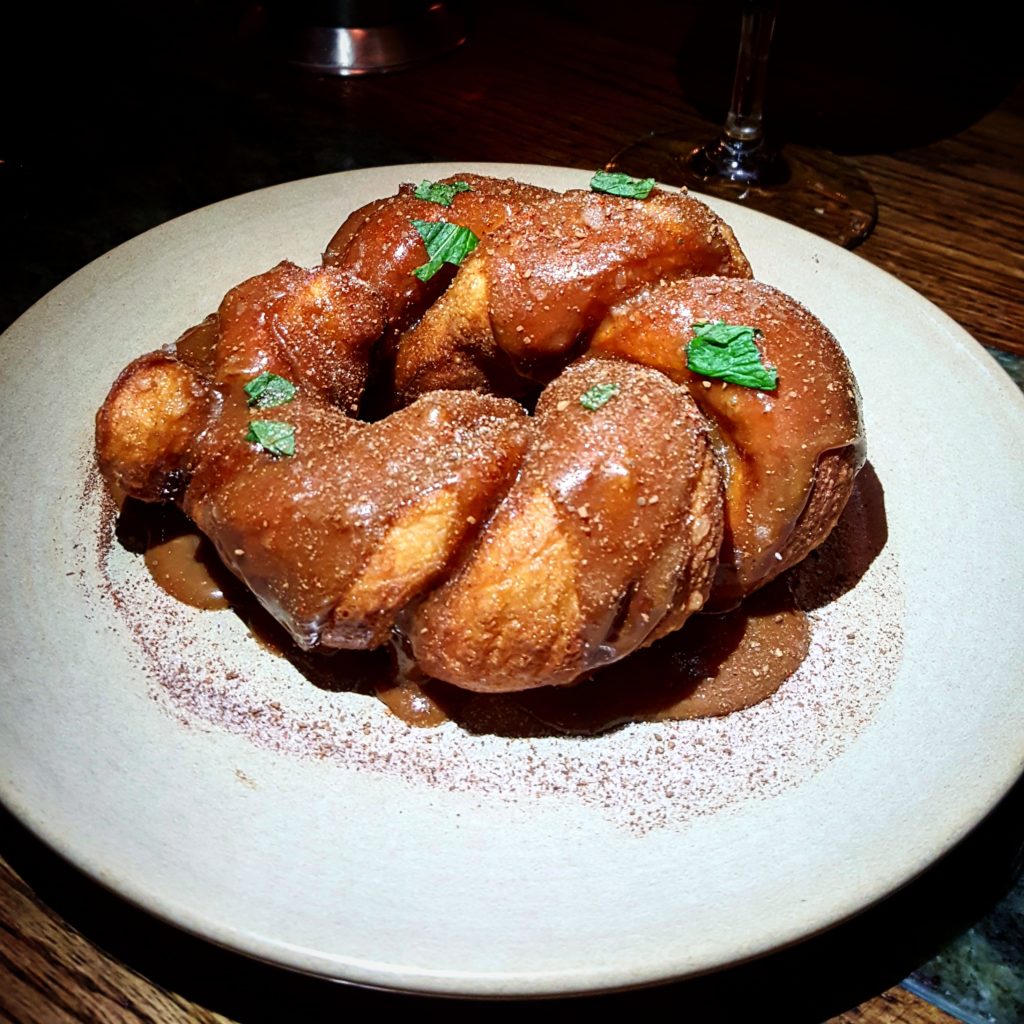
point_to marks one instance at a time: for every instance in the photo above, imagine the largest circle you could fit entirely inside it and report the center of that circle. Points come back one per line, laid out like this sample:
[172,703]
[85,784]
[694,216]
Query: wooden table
[163,113]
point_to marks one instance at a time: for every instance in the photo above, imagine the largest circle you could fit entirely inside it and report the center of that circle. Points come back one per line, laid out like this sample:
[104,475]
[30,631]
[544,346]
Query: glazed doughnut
[508,551]
[314,326]
[378,244]
[336,540]
[523,303]
[789,456]
[611,529]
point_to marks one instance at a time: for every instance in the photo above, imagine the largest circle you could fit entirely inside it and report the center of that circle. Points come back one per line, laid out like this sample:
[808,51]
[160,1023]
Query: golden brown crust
[147,428]
[770,442]
[522,303]
[834,475]
[611,529]
[314,327]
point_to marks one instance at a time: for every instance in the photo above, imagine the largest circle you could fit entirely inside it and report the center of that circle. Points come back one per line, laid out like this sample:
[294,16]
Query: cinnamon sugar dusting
[210,672]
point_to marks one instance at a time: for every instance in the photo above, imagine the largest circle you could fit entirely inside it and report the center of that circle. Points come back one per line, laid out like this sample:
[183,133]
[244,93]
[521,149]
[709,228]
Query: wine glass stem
[744,124]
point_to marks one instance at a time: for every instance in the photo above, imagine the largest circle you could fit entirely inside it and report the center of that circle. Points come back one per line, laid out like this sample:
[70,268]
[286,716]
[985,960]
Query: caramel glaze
[607,538]
[717,664]
[197,347]
[379,245]
[315,327]
[524,300]
[412,704]
[770,443]
[322,537]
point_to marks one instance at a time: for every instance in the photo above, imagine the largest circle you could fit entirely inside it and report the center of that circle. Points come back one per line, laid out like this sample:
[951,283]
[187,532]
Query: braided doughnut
[509,551]
[527,299]
[610,530]
[789,456]
[378,244]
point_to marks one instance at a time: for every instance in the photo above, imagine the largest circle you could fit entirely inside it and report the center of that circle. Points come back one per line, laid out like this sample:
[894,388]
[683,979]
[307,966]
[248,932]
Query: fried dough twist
[337,539]
[789,456]
[378,243]
[524,302]
[512,551]
[608,537]
[313,326]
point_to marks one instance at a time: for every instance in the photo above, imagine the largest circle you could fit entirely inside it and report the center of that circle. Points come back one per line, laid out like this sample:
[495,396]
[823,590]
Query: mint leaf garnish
[268,390]
[441,192]
[615,183]
[273,437]
[446,243]
[727,352]
[600,394]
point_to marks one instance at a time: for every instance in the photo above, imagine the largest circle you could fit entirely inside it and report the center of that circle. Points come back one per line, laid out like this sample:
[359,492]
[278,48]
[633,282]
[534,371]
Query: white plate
[335,840]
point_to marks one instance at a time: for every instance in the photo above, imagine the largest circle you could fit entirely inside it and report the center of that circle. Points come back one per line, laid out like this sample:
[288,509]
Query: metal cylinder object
[356,37]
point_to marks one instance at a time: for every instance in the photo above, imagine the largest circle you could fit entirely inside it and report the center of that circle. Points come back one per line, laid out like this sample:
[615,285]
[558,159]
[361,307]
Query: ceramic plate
[170,756]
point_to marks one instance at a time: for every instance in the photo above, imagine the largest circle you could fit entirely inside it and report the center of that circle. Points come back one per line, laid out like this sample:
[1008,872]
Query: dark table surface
[122,117]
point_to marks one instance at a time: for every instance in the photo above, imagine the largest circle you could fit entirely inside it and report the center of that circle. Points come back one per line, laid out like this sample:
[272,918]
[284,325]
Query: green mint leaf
[268,390]
[273,437]
[598,395]
[727,352]
[615,183]
[440,192]
[446,243]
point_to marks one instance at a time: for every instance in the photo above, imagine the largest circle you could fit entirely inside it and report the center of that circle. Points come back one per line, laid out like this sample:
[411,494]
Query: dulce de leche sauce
[769,442]
[180,559]
[715,665]
[181,566]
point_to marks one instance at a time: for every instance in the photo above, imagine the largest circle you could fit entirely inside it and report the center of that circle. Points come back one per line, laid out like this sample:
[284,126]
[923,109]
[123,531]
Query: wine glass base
[813,189]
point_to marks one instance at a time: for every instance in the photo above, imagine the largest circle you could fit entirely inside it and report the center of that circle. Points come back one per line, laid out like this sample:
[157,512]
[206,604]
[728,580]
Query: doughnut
[526,299]
[314,326]
[612,528]
[789,456]
[336,540]
[504,544]
[378,244]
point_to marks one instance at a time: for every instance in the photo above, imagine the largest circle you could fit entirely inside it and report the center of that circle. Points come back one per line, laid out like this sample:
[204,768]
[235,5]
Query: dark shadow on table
[807,983]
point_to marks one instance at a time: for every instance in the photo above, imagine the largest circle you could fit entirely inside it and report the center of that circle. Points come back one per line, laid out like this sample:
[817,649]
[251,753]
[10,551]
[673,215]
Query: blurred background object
[356,37]
[812,188]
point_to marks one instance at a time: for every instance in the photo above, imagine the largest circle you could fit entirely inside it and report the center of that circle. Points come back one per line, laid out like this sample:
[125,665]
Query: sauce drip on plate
[181,560]
[715,665]
[181,566]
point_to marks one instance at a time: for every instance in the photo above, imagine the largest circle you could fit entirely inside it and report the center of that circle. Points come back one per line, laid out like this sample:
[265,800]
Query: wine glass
[816,190]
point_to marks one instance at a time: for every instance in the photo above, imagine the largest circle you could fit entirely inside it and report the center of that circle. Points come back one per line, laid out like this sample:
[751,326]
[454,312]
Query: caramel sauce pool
[179,566]
[182,562]
[715,665]
[412,702]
